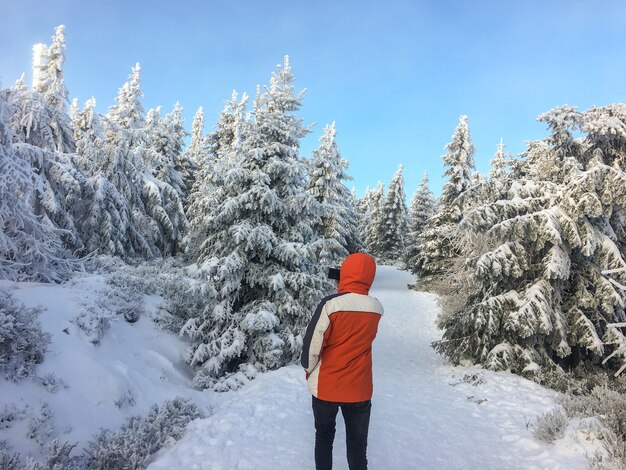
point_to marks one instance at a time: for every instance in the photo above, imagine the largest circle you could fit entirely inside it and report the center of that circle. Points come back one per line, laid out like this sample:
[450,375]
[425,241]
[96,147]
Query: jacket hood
[357,274]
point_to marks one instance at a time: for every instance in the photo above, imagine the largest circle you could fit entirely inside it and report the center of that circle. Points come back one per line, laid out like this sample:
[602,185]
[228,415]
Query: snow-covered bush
[606,404]
[41,425]
[9,460]
[22,341]
[126,399]
[51,382]
[132,446]
[57,457]
[9,415]
[95,318]
[550,426]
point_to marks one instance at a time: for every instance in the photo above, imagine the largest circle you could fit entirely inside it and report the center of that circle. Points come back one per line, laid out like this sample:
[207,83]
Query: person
[337,357]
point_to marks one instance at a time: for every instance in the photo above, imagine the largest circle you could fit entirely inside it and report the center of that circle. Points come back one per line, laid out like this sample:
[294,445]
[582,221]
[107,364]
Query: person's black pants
[357,419]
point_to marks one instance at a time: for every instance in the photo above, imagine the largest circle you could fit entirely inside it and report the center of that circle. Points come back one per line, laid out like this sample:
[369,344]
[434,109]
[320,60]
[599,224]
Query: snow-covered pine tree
[500,163]
[157,212]
[395,218]
[167,135]
[59,187]
[338,225]
[364,208]
[550,288]
[48,77]
[437,245]
[259,255]
[29,249]
[423,207]
[104,219]
[213,162]
[374,219]
[355,247]
[49,86]
[190,162]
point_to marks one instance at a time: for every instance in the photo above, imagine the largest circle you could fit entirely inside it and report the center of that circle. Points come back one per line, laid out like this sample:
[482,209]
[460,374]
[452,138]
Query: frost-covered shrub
[580,381]
[58,457]
[614,455]
[550,426]
[51,382]
[94,319]
[606,404]
[41,426]
[119,298]
[9,415]
[9,460]
[181,297]
[132,446]
[231,381]
[126,399]
[22,341]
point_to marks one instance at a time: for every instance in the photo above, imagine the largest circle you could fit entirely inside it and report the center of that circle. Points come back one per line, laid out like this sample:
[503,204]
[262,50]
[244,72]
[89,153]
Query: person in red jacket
[337,357]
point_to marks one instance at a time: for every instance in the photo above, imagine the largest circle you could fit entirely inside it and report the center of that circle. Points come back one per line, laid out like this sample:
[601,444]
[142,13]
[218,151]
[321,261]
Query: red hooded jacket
[337,349]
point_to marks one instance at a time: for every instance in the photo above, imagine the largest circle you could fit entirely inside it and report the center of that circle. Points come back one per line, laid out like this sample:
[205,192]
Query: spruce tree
[258,258]
[394,224]
[374,220]
[48,74]
[549,290]
[158,218]
[190,162]
[105,221]
[212,163]
[339,225]
[500,162]
[423,207]
[437,246]
[29,248]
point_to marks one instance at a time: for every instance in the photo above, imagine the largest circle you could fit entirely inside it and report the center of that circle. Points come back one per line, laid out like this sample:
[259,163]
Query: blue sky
[394,75]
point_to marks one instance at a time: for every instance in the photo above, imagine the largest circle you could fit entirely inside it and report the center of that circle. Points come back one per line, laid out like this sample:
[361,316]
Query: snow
[425,414]
[133,362]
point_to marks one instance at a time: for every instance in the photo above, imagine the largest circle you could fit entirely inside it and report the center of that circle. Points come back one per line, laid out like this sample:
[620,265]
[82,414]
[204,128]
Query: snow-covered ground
[426,414]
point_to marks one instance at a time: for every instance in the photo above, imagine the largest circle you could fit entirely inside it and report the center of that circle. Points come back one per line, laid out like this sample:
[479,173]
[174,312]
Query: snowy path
[423,416]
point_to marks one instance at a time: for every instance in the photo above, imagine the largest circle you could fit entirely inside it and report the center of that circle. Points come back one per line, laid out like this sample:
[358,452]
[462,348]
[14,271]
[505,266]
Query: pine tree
[48,77]
[105,221]
[59,189]
[500,162]
[29,249]
[49,85]
[192,159]
[259,254]
[158,217]
[394,223]
[213,162]
[167,143]
[437,246]
[549,290]
[423,207]
[338,224]
[364,208]
[374,221]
